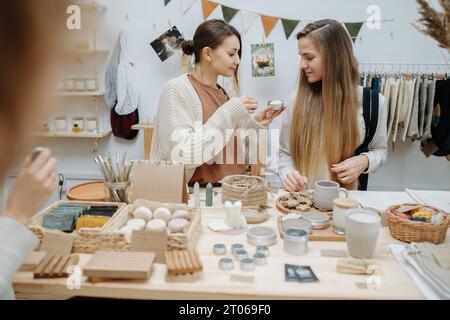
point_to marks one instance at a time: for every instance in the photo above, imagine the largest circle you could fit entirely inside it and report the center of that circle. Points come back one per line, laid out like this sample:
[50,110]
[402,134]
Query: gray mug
[325,191]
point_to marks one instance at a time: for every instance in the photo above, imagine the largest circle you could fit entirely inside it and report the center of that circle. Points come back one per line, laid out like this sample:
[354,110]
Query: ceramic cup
[325,192]
[80,85]
[69,85]
[362,228]
[61,124]
[91,124]
[91,84]
[340,210]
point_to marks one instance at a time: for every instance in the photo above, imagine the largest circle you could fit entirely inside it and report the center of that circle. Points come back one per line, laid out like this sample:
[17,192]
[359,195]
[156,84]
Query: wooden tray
[90,191]
[317,235]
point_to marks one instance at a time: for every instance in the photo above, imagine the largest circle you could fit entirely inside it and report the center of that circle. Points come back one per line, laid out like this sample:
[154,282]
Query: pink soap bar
[178,225]
[180,214]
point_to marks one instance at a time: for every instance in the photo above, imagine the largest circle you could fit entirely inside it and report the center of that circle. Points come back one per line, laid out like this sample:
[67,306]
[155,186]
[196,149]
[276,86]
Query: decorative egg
[136,224]
[162,213]
[180,214]
[143,213]
[178,225]
[156,225]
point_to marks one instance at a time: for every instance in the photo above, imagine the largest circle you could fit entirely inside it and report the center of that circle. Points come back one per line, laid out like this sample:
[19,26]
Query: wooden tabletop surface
[269,280]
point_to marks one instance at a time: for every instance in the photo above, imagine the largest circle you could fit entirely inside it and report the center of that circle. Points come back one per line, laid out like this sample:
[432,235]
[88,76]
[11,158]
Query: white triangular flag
[248,18]
[186,5]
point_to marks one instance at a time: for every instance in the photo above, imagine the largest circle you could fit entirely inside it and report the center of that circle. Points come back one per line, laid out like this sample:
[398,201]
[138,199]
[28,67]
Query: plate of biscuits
[295,202]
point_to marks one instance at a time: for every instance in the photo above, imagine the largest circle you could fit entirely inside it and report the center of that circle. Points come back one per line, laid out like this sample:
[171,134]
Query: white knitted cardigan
[180,111]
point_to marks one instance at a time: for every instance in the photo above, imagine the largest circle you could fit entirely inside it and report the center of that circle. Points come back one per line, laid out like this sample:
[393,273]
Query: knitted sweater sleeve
[286,164]
[183,138]
[16,243]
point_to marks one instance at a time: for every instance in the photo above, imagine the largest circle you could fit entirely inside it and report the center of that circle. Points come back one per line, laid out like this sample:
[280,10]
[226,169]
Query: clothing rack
[404,67]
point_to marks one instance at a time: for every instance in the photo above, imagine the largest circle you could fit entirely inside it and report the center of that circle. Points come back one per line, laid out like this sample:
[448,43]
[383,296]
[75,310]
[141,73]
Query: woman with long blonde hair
[324,134]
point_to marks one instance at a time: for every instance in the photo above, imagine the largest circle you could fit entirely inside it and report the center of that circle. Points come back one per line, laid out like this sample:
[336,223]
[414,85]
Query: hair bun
[188,47]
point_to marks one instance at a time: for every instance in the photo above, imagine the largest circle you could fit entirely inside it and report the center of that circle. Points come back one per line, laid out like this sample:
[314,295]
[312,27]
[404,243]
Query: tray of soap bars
[181,223]
[76,216]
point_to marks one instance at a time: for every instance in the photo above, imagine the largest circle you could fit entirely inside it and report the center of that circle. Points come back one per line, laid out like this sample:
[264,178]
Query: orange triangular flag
[208,7]
[269,23]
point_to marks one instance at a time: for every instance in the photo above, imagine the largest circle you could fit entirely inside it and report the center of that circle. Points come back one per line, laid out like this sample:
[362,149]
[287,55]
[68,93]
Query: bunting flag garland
[186,5]
[269,23]
[353,29]
[228,13]
[249,18]
[208,7]
[289,26]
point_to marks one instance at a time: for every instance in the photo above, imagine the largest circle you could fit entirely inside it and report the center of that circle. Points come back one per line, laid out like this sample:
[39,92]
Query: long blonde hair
[324,122]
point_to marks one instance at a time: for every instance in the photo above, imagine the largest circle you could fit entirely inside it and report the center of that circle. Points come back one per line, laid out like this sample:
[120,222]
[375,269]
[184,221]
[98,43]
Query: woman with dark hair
[28,30]
[197,119]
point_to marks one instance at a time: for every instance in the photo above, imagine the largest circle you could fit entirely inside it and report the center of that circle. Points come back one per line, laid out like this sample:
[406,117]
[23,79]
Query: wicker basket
[414,231]
[36,222]
[252,191]
[254,216]
[113,240]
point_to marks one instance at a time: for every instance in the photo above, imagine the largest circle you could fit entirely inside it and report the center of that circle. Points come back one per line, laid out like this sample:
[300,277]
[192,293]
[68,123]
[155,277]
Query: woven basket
[112,240]
[254,216]
[414,231]
[90,242]
[251,191]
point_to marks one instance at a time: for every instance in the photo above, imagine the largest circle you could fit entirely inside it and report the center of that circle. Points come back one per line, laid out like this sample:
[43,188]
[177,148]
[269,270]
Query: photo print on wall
[263,60]
[168,43]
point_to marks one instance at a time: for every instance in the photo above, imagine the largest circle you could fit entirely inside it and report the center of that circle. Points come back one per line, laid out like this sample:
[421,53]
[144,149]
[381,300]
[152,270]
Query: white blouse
[377,153]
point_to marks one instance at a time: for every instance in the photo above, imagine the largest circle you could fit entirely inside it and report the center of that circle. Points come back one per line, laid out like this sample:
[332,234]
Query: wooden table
[269,280]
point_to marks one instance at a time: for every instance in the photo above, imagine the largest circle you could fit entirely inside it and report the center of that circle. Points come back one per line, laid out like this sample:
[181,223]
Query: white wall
[397,41]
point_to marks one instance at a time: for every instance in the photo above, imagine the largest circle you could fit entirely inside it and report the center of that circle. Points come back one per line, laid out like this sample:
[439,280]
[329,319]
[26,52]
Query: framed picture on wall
[263,60]
[167,44]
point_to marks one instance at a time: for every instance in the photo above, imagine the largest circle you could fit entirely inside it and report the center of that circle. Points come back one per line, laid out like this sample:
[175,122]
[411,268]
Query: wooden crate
[36,222]
[111,239]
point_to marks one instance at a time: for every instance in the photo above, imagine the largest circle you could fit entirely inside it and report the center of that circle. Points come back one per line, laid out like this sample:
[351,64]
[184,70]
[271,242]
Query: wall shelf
[81,135]
[85,51]
[92,7]
[80,93]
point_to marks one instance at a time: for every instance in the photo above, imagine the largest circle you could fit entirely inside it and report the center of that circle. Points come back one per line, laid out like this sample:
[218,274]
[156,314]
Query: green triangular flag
[289,26]
[166,2]
[353,29]
[228,13]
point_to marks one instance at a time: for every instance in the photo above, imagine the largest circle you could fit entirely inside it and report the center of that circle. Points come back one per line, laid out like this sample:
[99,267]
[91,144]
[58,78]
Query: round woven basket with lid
[250,190]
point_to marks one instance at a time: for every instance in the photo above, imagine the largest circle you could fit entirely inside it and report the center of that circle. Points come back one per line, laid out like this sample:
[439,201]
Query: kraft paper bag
[163,182]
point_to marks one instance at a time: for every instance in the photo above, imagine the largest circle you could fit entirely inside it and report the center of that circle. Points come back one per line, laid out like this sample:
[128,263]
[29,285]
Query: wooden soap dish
[55,266]
[183,262]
